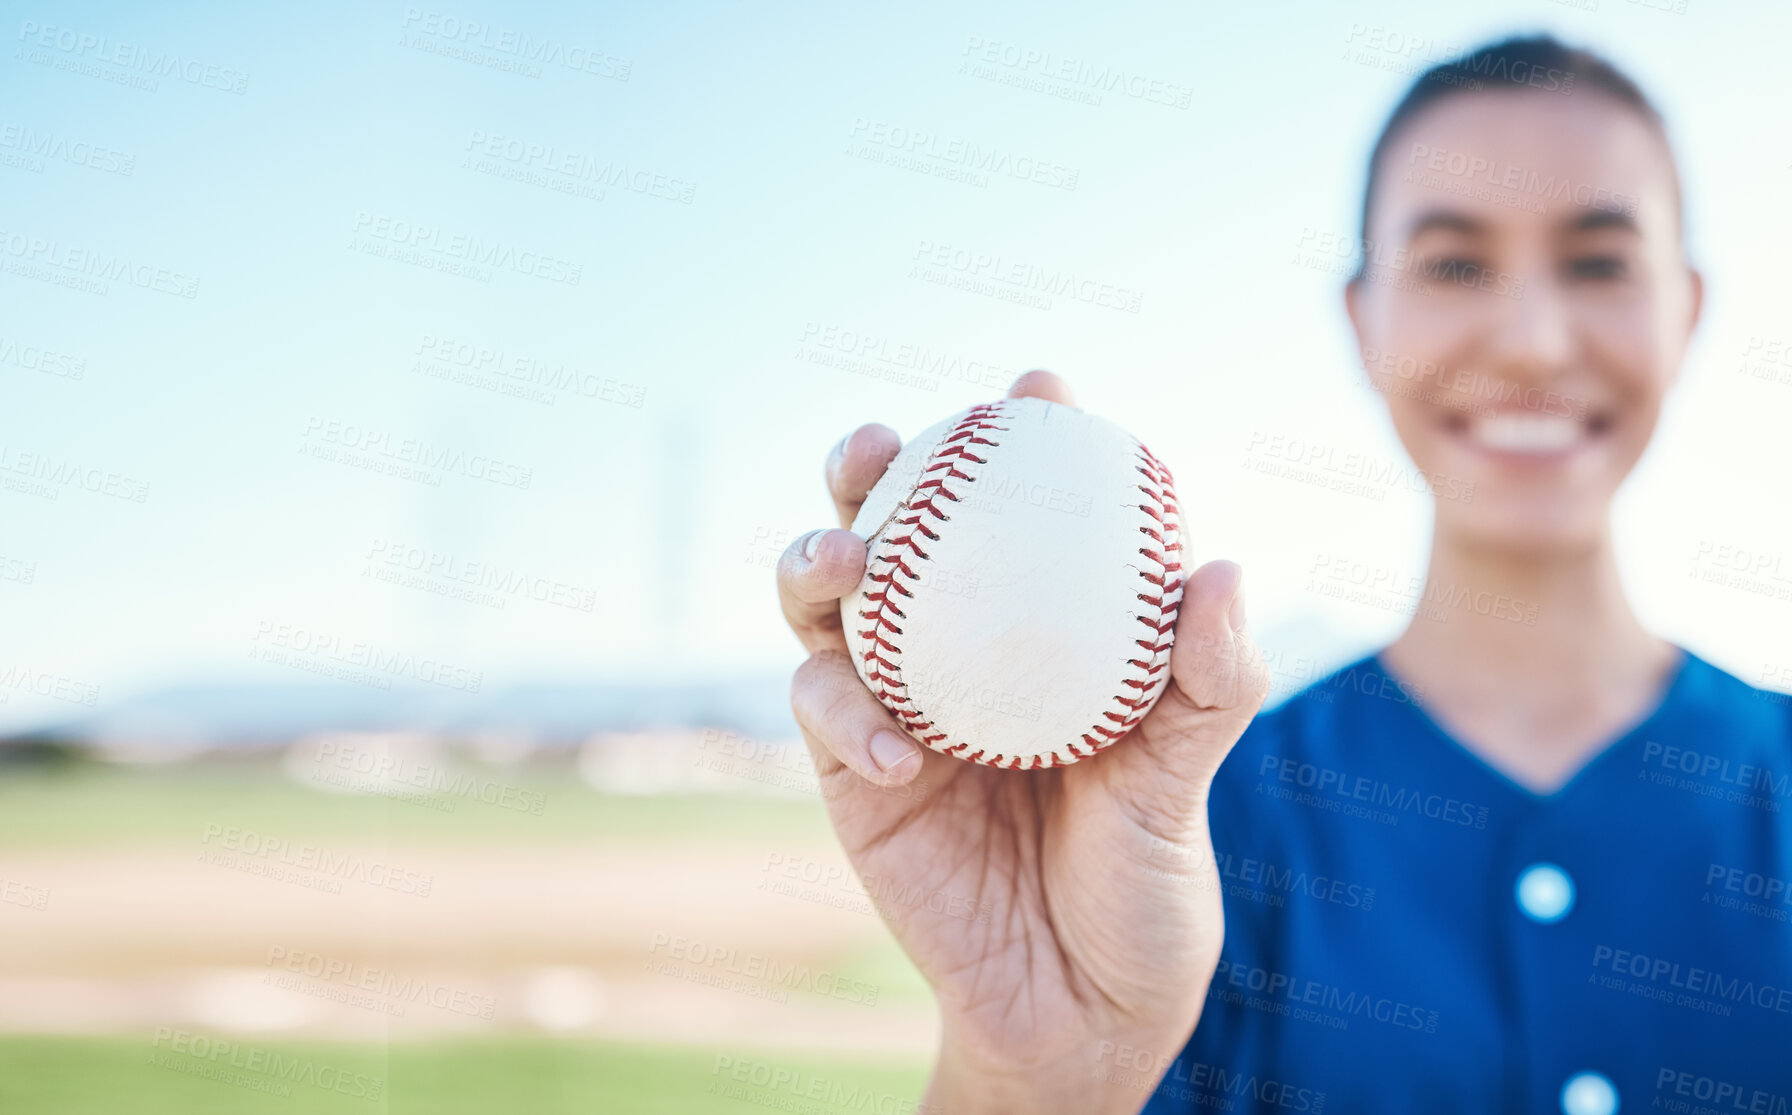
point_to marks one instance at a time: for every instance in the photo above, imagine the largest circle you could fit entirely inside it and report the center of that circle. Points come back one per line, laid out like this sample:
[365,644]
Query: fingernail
[889,750]
[1235,614]
[812,545]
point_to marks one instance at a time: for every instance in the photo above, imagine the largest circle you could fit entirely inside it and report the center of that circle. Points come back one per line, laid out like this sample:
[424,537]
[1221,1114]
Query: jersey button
[1545,894]
[1589,1093]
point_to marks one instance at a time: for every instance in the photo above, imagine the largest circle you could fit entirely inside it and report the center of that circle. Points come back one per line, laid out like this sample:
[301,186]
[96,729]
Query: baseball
[1023,573]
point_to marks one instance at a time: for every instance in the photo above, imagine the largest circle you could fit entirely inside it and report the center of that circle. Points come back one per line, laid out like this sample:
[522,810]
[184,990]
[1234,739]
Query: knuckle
[808,676]
[834,566]
[845,705]
[805,686]
[826,689]
[790,569]
[838,780]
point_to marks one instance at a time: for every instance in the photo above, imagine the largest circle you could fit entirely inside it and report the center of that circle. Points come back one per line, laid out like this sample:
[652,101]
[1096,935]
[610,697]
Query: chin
[1531,483]
[1521,524]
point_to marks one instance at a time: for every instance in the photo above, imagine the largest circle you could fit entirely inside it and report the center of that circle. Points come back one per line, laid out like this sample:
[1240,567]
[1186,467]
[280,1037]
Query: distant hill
[561,714]
[264,715]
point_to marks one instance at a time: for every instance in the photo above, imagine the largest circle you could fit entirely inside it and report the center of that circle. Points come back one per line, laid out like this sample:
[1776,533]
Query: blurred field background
[403,408]
[431,952]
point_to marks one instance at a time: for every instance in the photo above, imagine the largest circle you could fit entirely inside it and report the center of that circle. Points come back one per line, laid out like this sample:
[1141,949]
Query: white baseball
[1023,574]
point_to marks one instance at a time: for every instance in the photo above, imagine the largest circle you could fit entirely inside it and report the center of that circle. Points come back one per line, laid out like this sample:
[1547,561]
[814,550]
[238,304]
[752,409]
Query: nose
[1533,336]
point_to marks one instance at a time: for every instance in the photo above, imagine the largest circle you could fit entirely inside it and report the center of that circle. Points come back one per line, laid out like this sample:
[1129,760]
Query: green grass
[99,807]
[65,1076]
[92,804]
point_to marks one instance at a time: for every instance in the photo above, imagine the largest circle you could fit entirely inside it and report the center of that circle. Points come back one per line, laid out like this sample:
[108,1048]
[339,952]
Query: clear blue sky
[709,173]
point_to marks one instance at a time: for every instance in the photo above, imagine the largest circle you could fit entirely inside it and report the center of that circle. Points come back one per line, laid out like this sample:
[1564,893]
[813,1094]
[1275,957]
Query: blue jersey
[1408,930]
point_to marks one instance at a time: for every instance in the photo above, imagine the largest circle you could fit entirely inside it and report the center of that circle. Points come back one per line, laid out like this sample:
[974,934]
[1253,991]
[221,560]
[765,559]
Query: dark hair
[1540,62]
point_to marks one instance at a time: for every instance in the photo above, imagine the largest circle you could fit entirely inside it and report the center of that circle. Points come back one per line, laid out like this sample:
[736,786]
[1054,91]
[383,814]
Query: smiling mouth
[1525,435]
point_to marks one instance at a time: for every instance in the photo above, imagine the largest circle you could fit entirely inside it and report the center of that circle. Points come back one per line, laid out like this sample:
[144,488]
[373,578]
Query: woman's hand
[1058,914]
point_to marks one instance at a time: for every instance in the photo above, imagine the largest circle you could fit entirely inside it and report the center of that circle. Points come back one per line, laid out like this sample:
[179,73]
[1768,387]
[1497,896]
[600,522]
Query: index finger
[1041,384]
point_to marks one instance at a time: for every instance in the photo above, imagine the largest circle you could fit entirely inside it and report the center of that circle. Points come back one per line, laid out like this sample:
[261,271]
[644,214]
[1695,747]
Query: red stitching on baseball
[885,674]
[1161,616]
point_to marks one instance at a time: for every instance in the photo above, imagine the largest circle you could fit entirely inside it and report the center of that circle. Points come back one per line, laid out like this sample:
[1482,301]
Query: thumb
[1218,681]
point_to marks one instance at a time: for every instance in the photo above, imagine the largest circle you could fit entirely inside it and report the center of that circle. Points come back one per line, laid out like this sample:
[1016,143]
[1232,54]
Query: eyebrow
[1444,219]
[1451,221]
[1603,218]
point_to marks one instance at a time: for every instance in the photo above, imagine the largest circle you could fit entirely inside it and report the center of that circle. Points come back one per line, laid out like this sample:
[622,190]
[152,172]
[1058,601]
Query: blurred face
[1525,307]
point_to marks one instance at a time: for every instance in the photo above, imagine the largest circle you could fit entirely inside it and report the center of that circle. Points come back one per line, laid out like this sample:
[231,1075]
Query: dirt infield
[717,945]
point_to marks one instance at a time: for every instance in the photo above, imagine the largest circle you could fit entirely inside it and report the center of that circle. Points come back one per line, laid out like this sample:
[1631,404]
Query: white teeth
[1525,433]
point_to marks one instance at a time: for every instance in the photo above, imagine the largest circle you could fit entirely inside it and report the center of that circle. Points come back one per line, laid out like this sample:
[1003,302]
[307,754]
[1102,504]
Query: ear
[1354,293]
[1695,310]
[1696,292]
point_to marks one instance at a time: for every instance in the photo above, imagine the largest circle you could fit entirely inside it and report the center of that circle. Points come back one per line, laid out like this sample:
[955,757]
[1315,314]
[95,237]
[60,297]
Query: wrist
[1115,1072]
